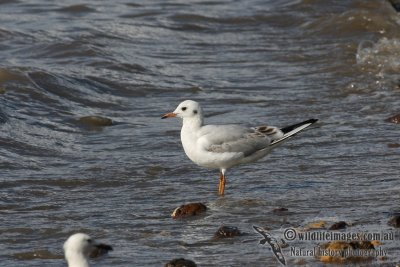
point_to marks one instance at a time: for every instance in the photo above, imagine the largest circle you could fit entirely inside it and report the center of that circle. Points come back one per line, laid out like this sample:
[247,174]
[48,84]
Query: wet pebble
[227,231]
[338,225]
[188,210]
[395,221]
[96,121]
[394,119]
[181,262]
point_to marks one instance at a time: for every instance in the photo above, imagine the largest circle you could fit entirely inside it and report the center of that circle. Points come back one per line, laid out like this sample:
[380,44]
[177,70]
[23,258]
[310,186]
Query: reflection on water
[119,174]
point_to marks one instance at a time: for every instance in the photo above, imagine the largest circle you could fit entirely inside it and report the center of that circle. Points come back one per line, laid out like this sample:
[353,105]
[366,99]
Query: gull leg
[222,182]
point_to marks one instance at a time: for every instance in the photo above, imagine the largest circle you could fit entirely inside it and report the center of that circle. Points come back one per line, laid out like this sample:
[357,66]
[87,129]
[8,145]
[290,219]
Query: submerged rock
[395,221]
[227,231]
[37,254]
[188,210]
[338,225]
[100,250]
[2,90]
[181,262]
[394,119]
[280,210]
[393,145]
[316,225]
[3,117]
[95,121]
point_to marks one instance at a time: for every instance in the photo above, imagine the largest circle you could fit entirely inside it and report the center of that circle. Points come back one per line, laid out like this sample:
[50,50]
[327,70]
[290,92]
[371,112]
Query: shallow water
[254,62]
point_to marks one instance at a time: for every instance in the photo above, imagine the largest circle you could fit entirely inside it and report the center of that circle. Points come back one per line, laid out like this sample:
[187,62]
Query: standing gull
[79,246]
[224,146]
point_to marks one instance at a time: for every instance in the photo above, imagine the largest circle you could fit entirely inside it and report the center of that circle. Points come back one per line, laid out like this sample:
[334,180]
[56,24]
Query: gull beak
[169,115]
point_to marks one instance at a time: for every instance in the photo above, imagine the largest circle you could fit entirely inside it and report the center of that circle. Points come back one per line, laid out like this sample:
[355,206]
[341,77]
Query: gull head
[79,246]
[186,110]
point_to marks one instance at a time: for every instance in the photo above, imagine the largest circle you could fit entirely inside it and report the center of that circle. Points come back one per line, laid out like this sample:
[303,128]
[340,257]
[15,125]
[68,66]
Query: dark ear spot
[195,111]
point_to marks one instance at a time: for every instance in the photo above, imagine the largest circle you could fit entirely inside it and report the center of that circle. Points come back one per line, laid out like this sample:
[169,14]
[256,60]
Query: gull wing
[235,138]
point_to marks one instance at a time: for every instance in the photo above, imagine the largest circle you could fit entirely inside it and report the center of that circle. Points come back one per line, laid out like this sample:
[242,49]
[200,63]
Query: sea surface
[253,62]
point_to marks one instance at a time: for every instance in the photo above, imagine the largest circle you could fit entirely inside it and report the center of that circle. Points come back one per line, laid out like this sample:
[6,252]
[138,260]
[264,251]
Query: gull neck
[77,260]
[194,123]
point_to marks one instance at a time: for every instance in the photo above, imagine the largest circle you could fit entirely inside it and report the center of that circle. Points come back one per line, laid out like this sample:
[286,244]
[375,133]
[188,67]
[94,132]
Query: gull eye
[183,108]
[89,241]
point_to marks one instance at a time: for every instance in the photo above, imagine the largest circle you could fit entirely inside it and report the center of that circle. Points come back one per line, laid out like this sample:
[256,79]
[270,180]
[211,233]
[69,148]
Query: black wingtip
[292,127]
[312,120]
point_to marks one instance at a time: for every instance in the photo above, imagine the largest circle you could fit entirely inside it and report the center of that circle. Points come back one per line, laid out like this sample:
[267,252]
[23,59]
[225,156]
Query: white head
[187,110]
[78,247]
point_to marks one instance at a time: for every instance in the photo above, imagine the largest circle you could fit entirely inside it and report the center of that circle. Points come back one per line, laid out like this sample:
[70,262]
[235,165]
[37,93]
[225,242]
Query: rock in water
[393,145]
[338,225]
[394,119]
[96,121]
[227,231]
[395,221]
[280,210]
[181,262]
[189,210]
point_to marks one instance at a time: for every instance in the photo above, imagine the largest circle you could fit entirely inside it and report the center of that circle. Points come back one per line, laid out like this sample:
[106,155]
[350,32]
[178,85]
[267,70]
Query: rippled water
[246,61]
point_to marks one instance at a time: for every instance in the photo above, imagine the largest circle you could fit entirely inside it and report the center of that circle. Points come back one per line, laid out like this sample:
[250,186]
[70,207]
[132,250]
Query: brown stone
[188,210]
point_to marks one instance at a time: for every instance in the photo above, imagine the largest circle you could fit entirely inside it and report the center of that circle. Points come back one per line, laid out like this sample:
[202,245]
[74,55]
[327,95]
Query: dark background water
[253,62]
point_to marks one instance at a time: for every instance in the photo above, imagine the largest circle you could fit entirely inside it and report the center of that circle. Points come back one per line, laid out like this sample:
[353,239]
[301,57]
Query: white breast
[198,154]
[189,139]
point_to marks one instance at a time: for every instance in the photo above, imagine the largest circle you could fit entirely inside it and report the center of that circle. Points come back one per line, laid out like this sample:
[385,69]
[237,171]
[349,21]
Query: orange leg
[222,182]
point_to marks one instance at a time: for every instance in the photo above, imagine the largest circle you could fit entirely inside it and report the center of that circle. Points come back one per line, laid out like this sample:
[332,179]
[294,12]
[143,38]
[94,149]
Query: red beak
[169,115]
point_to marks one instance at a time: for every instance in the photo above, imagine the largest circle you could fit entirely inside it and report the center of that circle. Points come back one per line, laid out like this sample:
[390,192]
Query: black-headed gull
[224,146]
[78,247]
